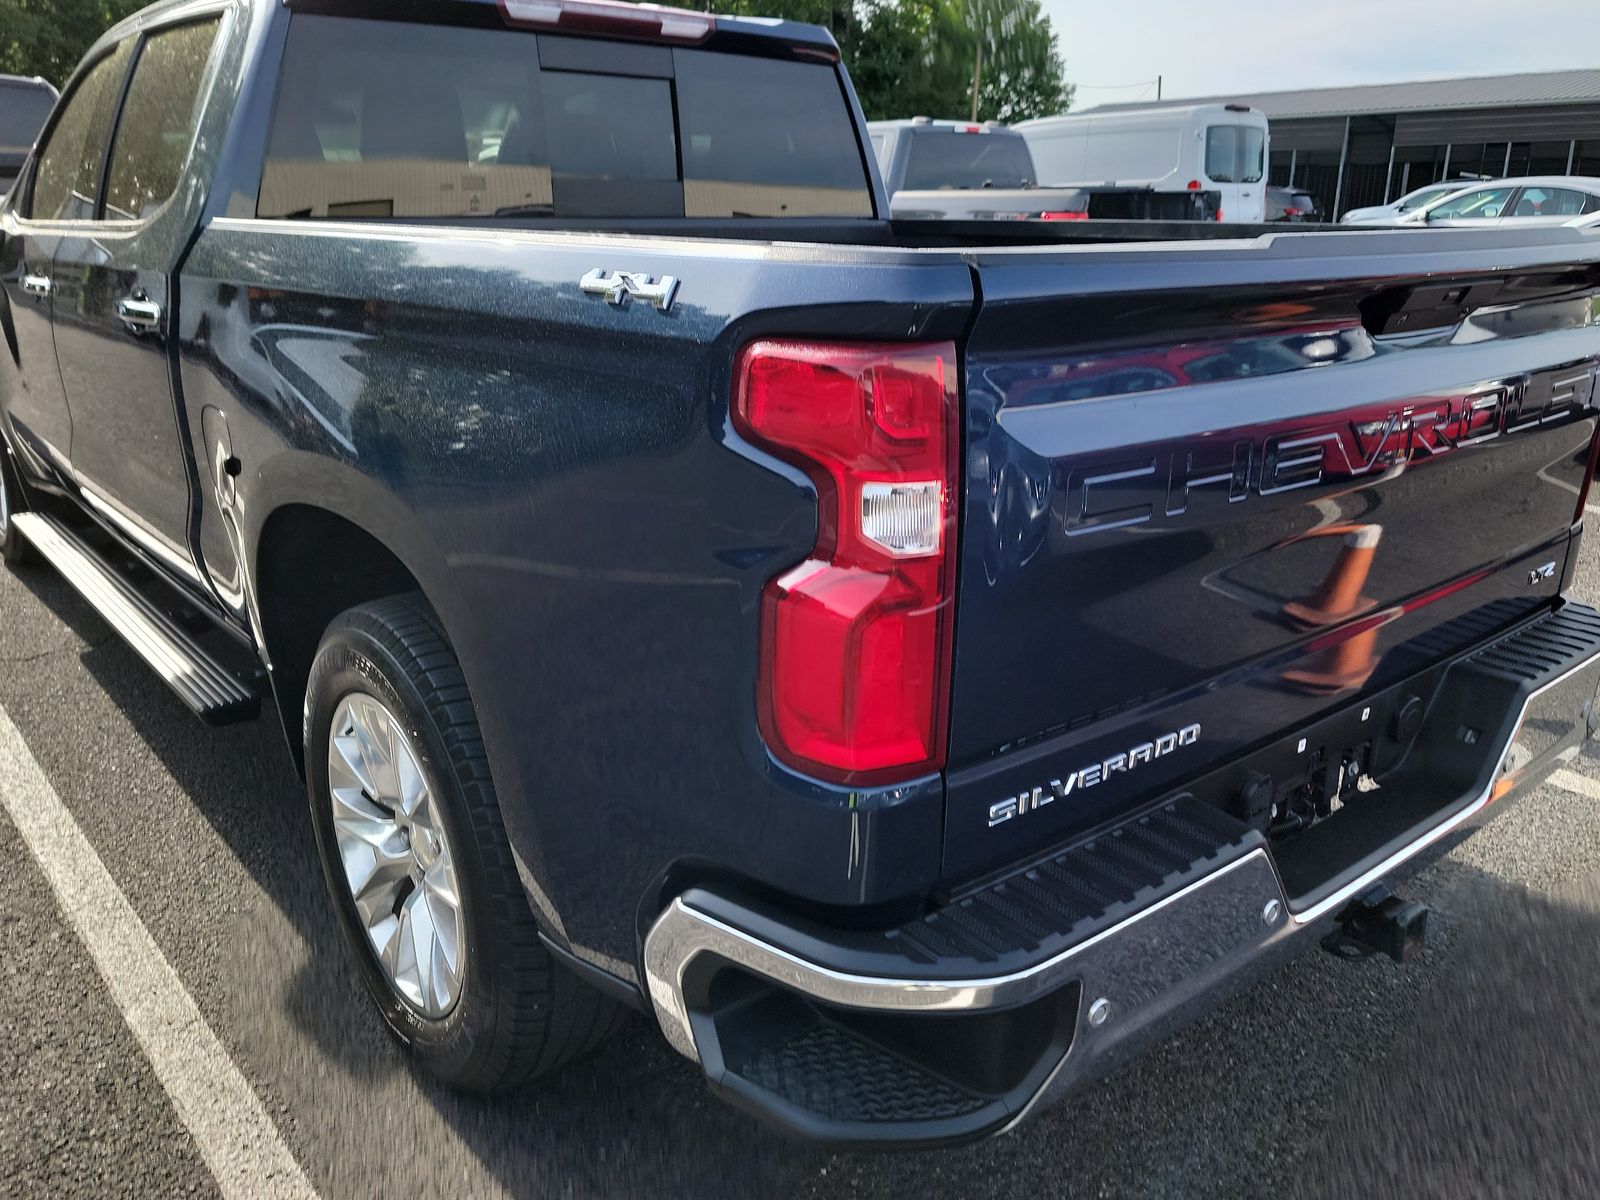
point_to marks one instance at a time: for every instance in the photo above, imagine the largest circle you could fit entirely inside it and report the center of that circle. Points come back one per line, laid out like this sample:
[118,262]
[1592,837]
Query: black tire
[519,1013]
[14,548]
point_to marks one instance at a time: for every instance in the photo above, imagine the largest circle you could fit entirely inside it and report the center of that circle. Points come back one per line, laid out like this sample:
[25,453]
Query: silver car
[1533,200]
[1391,213]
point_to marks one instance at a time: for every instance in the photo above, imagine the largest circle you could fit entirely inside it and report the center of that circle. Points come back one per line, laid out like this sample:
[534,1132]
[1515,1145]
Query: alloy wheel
[396,856]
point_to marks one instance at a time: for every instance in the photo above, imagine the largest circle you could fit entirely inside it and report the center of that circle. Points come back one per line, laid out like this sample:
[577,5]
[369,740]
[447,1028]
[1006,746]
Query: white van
[1214,147]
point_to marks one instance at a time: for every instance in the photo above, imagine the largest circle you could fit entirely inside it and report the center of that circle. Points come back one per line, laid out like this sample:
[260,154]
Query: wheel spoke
[346,768]
[352,809]
[411,789]
[419,924]
[375,879]
[396,858]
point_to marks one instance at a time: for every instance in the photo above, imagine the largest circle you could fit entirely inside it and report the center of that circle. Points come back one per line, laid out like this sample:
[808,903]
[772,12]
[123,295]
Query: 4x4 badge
[618,286]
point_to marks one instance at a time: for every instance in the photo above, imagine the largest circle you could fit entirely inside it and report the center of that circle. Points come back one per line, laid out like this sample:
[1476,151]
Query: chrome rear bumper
[1129,982]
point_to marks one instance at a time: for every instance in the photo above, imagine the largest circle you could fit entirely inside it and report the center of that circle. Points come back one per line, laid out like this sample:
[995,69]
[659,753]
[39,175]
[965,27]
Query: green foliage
[909,59]
[48,37]
[1022,73]
[918,57]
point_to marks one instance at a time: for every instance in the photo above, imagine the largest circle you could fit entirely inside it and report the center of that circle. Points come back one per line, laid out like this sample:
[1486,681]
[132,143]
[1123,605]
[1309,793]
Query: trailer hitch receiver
[1379,922]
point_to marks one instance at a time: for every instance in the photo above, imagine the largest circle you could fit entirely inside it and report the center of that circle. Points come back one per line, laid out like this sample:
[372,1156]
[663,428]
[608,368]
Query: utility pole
[977,74]
[1158,89]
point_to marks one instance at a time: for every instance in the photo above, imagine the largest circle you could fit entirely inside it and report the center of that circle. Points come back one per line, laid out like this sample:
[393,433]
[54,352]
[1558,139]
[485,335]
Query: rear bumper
[962,1022]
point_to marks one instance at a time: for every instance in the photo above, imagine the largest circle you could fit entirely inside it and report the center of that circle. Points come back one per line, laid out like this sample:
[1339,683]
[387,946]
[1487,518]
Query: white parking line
[1571,781]
[237,1139]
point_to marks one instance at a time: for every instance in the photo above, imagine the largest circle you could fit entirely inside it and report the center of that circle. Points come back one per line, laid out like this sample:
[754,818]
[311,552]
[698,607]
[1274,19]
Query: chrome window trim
[185,15]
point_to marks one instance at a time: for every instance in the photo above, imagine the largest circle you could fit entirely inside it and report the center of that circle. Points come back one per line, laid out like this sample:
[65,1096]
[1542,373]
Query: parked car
[535,402]
[25,103]
[962,170]
[1291,204]
[1388,214]
[1199,147]
[1531,201]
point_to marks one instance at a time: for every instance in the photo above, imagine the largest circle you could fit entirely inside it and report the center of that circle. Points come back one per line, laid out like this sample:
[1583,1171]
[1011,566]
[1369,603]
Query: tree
[935,57]
[48,37]
[909,59]
[1021,74]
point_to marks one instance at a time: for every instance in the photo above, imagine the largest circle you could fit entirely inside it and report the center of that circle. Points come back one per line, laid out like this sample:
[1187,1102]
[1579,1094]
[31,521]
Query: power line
[1112,87]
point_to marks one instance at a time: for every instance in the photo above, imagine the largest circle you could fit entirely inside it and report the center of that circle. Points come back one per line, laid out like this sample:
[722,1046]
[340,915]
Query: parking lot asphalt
[1474,1072]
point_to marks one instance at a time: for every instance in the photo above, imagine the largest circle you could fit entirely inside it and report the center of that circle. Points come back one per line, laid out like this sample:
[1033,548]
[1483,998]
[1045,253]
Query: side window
[158,120]
[67,179]
[387,119]
[1555,202]
[1418,199]
[1483,204]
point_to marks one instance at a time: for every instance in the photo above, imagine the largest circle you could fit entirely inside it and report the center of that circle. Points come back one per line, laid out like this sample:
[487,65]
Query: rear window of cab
[392,119]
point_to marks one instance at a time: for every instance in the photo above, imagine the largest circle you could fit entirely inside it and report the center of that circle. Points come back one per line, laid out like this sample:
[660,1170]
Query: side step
[215,694]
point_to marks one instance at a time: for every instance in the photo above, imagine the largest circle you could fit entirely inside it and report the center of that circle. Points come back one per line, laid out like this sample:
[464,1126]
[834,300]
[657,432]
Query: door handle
[141,314]
[37,285]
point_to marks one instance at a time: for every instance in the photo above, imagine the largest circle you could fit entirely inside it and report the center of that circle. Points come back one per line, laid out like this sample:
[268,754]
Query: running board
[215,694]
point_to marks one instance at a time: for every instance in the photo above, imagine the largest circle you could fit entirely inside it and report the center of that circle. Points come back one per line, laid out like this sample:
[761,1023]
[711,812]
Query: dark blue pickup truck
[916,663]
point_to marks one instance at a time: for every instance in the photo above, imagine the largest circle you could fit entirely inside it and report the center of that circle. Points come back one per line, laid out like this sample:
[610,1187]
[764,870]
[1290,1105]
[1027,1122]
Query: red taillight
[612,18]
[855,641]
[1194,185]
[1219,214]
[1063,216]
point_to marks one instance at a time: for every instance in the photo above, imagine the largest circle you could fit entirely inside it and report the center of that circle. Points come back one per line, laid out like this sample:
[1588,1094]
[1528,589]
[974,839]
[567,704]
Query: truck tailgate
[1213,491]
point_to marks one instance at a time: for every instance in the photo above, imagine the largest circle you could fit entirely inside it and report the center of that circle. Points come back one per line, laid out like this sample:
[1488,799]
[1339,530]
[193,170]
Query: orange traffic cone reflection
[1339,597]
[1348,663]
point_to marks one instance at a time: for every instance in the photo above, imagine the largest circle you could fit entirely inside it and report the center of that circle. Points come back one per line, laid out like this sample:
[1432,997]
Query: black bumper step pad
[1029,915]
[1539,653]
[826,1069]
[1071,895]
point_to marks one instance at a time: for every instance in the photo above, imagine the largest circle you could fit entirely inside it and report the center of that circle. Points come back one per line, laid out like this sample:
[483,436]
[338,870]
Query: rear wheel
[418,863]
[14,548]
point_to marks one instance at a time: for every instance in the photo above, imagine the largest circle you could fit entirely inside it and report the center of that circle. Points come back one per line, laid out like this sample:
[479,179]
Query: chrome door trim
[146,540]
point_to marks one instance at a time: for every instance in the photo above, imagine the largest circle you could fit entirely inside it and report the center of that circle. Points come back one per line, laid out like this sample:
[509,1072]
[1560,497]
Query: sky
[1114,49]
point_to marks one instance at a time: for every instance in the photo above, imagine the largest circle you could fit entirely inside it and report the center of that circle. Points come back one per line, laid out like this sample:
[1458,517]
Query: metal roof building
[1353,146]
